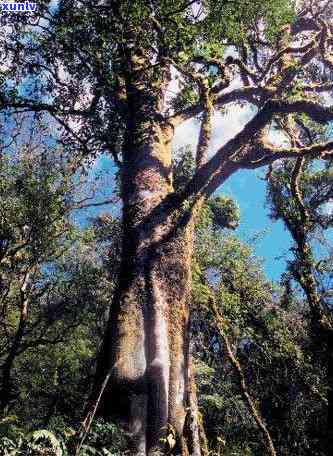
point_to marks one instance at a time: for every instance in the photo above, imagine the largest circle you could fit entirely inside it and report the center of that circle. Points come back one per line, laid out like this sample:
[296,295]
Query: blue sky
[269,238]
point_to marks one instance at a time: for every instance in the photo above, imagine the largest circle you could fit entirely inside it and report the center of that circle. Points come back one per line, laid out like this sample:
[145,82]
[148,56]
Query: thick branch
[246,149]
[245,94]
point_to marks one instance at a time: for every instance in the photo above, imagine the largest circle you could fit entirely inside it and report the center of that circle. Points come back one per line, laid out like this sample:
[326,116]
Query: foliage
[271,342]
[239,15]
[315,186]
[53,312]
[104,439]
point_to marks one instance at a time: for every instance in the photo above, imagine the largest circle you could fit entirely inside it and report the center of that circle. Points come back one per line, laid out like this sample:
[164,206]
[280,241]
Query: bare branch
[268,154]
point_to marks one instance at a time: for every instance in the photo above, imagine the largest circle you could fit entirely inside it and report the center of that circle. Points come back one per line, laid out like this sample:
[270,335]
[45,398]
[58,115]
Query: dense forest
[134,318]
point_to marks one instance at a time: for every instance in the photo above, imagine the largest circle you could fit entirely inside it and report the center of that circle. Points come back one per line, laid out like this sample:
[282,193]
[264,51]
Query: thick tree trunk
[146,345]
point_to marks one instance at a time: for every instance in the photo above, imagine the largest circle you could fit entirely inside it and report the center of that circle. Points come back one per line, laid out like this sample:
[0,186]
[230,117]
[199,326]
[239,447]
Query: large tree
[102,73]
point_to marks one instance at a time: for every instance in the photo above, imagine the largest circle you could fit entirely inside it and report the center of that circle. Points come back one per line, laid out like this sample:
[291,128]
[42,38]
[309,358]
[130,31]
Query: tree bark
[146,342]
[146,345]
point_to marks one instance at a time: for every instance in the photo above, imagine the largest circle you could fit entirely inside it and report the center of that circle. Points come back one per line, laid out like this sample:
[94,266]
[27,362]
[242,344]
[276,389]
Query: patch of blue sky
[100,186]
[269,239]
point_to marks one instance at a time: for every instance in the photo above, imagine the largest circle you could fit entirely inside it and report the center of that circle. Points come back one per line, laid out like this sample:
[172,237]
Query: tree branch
[248,150]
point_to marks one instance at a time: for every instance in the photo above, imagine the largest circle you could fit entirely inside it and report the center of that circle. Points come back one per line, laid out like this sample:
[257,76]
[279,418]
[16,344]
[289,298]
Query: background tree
[299,193]
[271,342]
[45,294]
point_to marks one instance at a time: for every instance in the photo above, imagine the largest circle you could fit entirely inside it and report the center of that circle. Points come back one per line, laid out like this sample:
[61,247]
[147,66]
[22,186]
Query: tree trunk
[146,345]
[146,342]
[321,324]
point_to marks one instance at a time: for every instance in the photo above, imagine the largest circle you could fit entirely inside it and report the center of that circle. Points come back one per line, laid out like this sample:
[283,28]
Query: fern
[104,440]
[41,440]
[11,436]
[8,447]
[13,442]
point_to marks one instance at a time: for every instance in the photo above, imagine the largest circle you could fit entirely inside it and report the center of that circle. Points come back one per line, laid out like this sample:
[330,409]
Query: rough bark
[146,344]
[145,349]
[196,436]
